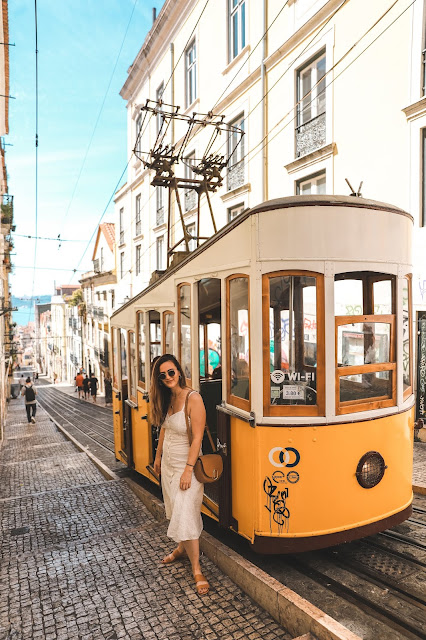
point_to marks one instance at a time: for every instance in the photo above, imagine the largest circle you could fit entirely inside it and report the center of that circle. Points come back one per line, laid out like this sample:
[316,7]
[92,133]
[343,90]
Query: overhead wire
[36,150]
[310,92]
[99,115]
[140,135]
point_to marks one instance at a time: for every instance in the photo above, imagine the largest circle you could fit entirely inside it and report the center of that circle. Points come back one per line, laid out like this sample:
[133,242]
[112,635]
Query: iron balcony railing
[310,135]
[236,175]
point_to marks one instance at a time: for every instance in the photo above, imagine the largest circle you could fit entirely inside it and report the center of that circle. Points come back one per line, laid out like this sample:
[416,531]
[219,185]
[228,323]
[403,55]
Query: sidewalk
[419,468]
[80,555]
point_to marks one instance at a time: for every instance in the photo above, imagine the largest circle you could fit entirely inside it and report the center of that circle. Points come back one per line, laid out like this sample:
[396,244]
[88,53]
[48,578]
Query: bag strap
[188,428]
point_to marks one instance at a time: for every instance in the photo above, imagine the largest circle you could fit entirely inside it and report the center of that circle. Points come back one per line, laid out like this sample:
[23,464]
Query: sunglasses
[170,372]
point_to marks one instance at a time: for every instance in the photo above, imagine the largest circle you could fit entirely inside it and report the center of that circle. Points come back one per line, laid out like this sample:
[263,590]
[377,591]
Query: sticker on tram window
[275,392]
[293,391]
[278,376]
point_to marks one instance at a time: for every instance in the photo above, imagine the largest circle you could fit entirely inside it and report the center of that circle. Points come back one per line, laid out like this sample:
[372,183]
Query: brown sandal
[173,556]
[201,584]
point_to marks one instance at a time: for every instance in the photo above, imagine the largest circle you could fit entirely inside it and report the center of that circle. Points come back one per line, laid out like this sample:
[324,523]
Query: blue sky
[78,44]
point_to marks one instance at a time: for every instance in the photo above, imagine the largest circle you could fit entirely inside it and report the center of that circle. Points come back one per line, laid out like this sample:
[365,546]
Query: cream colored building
[325,91]
[98,287]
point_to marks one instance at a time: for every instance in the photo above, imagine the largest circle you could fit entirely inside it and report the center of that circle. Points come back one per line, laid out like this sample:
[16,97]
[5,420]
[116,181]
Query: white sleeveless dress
[183,508]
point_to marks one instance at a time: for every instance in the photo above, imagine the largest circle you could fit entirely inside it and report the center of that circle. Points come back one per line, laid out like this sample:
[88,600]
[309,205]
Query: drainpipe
[263,89]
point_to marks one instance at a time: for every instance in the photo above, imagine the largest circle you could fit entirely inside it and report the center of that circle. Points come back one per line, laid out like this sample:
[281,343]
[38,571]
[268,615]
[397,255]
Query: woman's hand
[185,479]
[157,464]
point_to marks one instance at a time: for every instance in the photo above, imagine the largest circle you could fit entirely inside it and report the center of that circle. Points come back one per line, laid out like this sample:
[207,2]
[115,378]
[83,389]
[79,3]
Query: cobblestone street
[80,555]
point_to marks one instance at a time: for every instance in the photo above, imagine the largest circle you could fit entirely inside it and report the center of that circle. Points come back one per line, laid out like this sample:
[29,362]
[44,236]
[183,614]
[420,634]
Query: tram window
[209,310]
[123,350]
[238,340]
[362,343]
[406,337]
[382,297]
[184,300]
[365,386]
[292,315]
[141,349]
[154,335]
[365,341]
[348,297]
[115,339]
[132,366]
[168,331]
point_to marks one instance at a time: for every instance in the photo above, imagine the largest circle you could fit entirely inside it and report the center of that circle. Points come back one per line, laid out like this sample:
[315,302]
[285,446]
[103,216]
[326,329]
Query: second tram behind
[294,323]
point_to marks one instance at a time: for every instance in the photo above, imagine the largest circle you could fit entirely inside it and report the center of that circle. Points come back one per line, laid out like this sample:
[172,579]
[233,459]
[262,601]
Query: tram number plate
[293,391]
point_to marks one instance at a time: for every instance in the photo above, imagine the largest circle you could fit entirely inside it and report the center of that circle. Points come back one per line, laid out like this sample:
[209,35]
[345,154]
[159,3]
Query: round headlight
[370,469]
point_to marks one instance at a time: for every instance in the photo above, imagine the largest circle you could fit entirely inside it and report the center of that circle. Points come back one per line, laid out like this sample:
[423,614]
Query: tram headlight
[370,469]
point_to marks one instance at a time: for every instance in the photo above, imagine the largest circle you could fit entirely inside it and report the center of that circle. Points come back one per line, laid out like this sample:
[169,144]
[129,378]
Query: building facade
[7,356]
[99,300]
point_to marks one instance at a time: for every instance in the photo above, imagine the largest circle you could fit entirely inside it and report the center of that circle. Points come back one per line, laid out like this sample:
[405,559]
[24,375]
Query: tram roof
[269,205]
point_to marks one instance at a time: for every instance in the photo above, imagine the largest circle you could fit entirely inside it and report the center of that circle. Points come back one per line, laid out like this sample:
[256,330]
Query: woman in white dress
[175,459]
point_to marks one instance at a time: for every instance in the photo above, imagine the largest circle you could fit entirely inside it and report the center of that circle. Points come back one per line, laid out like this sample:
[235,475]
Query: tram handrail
[250,418]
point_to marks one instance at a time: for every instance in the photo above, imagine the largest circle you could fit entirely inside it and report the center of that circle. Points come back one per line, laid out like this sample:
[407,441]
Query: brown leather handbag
[208,468]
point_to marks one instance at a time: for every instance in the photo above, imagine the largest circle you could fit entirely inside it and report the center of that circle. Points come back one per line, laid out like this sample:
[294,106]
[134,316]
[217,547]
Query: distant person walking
[86,387]
[79,379]
[21,382]
[29,392]
[93,381]
[108,389]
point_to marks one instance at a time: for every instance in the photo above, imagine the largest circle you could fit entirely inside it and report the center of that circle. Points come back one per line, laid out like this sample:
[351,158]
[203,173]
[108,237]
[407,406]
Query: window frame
[179,325]
[121,225]
[159,253]
[191,73]
[241,33]
[138,128]
[163,331]
[234,207]
[236,401]
[121,265]
[301,409]
[140,383]
[138,256]
[313,178]
[368,279]
[138,224]
[313,91]
[410,389]
[378,402]
[132,375]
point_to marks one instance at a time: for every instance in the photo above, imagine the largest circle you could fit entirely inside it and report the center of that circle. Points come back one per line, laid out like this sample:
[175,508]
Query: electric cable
[99,115]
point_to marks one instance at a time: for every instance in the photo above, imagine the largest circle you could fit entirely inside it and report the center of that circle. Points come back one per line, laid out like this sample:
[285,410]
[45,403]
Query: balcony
[310,136]
[96,350]
[7,212]
[236,175]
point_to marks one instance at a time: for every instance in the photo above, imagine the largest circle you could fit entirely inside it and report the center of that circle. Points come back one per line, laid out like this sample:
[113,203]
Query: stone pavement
[419,468]
[80,555]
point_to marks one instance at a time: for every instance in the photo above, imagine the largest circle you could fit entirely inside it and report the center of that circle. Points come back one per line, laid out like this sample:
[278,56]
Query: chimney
[154,14]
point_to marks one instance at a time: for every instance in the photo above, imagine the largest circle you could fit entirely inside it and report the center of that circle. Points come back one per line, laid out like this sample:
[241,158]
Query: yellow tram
[294,323]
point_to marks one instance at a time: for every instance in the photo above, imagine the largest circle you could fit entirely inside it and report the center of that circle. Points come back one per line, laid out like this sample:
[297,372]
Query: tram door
[210,339]
[126,434]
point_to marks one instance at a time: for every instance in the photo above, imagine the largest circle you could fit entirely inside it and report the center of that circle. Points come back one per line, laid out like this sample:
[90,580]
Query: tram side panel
[308,484]
[117,422]
[142,448]
[244,507]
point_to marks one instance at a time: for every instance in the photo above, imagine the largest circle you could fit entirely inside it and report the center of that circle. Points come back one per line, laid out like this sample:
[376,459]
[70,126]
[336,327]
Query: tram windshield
[293,339]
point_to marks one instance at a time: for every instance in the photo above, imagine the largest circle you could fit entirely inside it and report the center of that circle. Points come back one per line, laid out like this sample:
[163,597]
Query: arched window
[238,341]
[184,329]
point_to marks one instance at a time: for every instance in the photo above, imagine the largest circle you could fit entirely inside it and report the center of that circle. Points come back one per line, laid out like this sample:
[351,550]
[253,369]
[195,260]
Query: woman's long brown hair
[159,394]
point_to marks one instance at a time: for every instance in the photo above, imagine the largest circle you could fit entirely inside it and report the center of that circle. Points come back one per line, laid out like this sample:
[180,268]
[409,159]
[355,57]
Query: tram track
[90,424]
